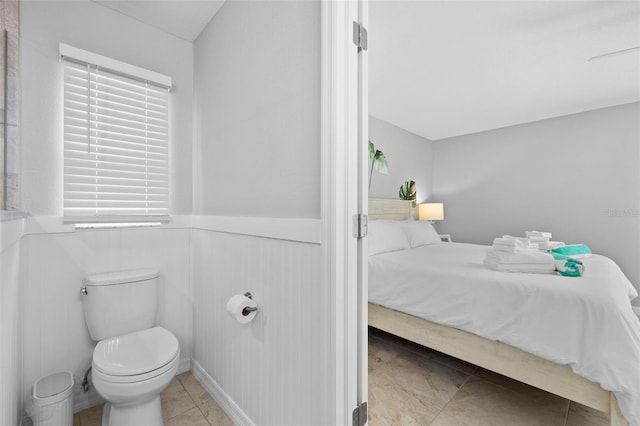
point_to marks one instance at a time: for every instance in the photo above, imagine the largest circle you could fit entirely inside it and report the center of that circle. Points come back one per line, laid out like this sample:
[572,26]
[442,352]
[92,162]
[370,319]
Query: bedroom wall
[257,67]
[54,257]
[410,157]
[257,209]
[577,176]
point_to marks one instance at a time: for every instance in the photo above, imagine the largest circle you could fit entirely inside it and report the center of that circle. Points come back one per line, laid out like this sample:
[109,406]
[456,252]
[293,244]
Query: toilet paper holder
[246,311]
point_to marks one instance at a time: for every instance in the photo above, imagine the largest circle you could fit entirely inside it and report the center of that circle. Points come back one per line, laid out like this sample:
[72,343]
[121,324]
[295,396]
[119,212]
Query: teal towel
[567,266]
[573,250]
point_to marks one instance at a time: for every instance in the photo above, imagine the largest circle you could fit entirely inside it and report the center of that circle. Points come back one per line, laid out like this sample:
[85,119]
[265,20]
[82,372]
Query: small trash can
[53,400]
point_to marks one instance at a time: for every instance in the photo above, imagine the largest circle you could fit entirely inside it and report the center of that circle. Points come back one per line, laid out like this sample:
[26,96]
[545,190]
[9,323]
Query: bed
[439,312]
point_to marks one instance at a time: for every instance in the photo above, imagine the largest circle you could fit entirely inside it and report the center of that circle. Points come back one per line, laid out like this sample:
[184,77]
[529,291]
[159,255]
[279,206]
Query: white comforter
[586,322]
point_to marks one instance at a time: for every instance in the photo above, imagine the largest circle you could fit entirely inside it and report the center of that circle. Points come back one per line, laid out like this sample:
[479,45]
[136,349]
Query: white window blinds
[115,141]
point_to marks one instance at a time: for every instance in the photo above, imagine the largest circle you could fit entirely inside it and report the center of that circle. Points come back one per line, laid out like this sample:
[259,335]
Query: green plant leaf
[380,162]
[372,150]
[412,190]
[407,191]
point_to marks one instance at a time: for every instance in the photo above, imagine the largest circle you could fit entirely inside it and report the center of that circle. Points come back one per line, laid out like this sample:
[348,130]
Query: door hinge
[359,36]
[360,415]
[360,226]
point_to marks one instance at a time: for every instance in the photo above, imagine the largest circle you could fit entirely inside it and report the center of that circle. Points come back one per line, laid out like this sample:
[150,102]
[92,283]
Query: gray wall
[93,27]
[577,176]
[409,156]
[257,80]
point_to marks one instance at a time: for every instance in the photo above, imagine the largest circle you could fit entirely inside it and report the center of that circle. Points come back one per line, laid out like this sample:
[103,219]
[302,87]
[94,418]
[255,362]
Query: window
[115,140]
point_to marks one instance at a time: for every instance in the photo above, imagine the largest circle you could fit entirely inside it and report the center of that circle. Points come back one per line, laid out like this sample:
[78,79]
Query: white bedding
[586,322]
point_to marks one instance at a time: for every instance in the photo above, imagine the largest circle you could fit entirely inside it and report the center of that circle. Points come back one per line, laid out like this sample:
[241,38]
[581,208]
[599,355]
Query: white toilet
[133,361]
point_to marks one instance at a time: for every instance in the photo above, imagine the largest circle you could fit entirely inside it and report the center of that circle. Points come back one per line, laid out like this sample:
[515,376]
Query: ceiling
[183,18]
[447,68]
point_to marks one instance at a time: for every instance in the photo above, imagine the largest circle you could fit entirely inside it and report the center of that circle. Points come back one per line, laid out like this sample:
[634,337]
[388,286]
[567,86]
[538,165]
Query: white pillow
[385,236]
[420,233]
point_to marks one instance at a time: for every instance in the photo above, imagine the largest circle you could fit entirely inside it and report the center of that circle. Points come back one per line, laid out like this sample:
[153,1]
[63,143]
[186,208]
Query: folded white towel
[526,268]
[509,241]
[538,239]
[514,250]
[511,237]
[533,257]
[538,234]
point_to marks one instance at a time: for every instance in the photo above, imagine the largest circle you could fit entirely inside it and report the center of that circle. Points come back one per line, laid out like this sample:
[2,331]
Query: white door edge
[363,187]
[340,195]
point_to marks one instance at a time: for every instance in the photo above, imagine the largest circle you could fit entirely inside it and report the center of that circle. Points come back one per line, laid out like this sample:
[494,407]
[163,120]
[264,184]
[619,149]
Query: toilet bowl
[130,371]
[133,360]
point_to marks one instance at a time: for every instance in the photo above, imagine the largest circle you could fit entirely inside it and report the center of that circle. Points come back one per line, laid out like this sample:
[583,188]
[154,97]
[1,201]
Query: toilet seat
[136,356]
[96,374]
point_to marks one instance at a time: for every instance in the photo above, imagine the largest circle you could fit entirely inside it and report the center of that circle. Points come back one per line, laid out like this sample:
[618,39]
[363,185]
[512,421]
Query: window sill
[115,225]
[56,225]
[7,215]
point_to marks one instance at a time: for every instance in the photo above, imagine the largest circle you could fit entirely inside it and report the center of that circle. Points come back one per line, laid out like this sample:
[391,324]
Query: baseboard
[184,366]
[228,405]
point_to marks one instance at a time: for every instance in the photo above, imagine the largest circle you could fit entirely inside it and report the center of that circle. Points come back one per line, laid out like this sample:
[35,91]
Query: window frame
[146,197]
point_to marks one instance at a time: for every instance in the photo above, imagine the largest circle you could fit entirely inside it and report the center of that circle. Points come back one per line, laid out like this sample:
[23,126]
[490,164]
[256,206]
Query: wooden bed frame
[495,356]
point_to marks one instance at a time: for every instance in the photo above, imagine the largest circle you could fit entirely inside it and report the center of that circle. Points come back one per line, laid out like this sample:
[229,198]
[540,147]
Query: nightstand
[446,238]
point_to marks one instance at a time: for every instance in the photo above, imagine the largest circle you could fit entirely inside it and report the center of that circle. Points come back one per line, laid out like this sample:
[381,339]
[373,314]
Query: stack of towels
[515,254]
[543,239]
[536,254]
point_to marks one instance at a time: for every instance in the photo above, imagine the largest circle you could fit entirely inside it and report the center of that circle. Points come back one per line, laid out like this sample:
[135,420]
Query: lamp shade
[431,211]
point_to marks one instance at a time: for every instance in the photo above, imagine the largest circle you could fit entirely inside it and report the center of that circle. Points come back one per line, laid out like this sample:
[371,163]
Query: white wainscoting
[222,398]
[10,324]
[55,335]
[268,372]
[291,229]
[275,368]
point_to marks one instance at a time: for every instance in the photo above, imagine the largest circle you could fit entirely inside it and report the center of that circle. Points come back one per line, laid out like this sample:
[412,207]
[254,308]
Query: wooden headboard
[380,208]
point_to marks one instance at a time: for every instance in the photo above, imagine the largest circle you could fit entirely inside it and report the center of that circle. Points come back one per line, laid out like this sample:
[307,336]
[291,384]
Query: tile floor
[184,403]
[408,385]
[413,385]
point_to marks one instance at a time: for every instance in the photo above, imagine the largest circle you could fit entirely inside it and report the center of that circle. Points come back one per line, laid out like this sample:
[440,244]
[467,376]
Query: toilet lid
[135,353]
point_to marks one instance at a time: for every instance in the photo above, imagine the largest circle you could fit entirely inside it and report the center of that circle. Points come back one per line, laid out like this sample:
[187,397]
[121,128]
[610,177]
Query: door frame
[343,194]
[363,201]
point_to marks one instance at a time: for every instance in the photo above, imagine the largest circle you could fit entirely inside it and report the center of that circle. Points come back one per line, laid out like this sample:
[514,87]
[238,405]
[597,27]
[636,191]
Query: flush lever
[83,290]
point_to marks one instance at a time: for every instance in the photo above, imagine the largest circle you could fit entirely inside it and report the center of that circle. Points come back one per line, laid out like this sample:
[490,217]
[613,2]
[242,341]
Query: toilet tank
[122,302]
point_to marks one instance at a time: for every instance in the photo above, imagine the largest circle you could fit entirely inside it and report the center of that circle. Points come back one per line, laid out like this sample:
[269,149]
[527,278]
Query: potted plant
[408,192]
